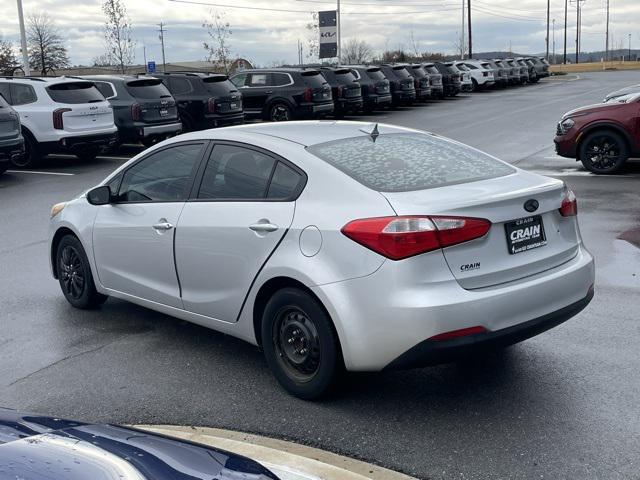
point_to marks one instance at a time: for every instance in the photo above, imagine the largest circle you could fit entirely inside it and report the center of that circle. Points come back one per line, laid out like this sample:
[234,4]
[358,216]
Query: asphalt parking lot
[561,405]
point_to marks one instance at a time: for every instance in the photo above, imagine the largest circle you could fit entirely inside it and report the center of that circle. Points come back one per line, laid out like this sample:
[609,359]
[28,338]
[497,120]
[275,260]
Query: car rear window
[75,92]
[375,74]
[431,69]
[345,76]
[404,162]
[401,72]
[218,85]
[147,88]
[313,79]
[418,72]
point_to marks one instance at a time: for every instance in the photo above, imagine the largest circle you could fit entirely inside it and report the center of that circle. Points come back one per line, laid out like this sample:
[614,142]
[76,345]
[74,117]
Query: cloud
[266,35]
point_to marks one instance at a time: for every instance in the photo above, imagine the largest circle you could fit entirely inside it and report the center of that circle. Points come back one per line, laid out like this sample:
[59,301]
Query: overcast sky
[263,36]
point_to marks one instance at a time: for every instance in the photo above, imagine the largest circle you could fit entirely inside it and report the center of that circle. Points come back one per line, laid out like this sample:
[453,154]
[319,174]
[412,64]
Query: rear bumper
[377,100]
[433,352]
[81,143]
[348,104]
[466,87]
[221,119]
[403,96]
[167,129]
[386,327]
[11,148]
[315,109]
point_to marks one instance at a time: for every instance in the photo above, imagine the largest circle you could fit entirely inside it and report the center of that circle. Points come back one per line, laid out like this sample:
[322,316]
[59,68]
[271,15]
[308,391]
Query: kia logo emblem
[531,205]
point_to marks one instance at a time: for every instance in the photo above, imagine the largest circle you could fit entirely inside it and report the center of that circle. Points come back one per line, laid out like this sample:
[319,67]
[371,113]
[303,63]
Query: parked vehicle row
[87,115]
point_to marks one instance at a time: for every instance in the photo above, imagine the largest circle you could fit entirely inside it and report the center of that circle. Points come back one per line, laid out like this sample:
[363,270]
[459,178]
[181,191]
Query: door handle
[162,225]
[263,227]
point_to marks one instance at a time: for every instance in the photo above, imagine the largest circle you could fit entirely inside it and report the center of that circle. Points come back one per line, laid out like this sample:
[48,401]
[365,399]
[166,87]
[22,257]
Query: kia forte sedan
[332,245]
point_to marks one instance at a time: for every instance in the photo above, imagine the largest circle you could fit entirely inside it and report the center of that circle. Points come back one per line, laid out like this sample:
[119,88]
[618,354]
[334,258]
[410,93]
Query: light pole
[547,38]
[629,47]
[338,29]
[23,41]
[554,40]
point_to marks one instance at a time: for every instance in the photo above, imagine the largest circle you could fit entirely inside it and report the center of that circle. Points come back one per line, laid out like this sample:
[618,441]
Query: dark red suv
[602,136]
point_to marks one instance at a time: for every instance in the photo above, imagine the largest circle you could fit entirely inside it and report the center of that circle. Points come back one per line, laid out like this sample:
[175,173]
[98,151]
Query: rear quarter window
[74,93]
[407,161]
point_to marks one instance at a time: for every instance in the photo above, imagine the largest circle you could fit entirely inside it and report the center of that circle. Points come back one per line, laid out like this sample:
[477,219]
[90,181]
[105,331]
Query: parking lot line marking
[61,174]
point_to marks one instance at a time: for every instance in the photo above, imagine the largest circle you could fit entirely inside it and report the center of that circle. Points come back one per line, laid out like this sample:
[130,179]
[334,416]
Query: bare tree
[103,60]
[218,49]
[415,45]
[117,34]
[8,61]
[459,47]
[313,37]
[46,48]
[356,51]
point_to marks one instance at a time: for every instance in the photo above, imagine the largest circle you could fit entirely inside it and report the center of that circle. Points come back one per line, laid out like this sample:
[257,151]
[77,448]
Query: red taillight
[402,237]
[463,332]
[416,83]
[569,206]
[340,92]
[58,123]
[136,112]
[307,95]
[211,105]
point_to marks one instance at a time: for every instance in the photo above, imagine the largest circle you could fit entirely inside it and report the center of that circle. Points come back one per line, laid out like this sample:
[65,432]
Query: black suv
[281,94]
[205,100]
[450,79]
[11,141]
[435,80]
[143,109]
[403,90]
[345,89]
[376,92]
[421,81]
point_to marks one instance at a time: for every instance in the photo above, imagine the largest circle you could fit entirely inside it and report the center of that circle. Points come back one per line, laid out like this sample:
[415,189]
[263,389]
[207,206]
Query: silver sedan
[332,245]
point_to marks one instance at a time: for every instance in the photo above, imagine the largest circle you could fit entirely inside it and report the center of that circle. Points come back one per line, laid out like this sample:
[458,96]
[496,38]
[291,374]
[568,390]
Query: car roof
[47,80]
[305,133]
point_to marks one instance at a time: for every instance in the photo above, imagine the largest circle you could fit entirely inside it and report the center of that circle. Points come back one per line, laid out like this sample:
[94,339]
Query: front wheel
[300,344]
[74,275]
[604,152]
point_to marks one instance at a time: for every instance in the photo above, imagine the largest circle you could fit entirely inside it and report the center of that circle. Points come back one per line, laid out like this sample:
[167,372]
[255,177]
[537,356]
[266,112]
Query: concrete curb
[290,461]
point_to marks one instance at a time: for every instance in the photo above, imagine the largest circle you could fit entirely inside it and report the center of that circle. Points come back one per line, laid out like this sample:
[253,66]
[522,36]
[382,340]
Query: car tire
[188,125]
[300,344]
[604,152]
[475,86]
[279,112]
[3,167]
[31,156]
[74,275]
[149,142]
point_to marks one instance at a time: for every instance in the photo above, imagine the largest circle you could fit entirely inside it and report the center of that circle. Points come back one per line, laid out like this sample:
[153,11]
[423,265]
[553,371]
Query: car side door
[242,210]
[258,88]
[133,235]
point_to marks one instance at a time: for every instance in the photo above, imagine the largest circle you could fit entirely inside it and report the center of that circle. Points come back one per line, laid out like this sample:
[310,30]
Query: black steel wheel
[300,344]
[280,112]
[74,274]
[604,152]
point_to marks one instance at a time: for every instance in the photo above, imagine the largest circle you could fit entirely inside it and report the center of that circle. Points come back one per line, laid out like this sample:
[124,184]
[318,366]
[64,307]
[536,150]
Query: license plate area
[164,112]
[525,234]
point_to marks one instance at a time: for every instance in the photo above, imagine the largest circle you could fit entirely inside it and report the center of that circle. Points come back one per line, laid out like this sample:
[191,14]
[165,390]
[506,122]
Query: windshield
[405,162]
[627,98]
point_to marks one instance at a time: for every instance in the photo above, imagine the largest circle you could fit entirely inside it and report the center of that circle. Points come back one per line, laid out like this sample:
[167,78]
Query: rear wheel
[280,112]
[74,275]
[149,142]
[31,156]
[300,344]
[604,152]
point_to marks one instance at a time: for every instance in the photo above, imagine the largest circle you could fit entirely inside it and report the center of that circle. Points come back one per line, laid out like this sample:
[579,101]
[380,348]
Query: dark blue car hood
[35,447]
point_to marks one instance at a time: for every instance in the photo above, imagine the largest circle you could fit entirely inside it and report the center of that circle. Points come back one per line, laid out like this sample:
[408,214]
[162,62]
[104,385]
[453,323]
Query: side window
[280,79]
[179,86]
[285,182]
[236,173]
[163,176]
[4,91]
[105,89]
[22,94]
[258,79]
[239,80]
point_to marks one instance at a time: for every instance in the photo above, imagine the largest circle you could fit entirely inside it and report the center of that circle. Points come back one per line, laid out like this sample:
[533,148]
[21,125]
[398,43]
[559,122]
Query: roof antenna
[373,134]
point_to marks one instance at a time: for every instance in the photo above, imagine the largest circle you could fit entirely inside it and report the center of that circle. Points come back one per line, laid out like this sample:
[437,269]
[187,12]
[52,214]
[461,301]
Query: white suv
[59,114]
[481,73]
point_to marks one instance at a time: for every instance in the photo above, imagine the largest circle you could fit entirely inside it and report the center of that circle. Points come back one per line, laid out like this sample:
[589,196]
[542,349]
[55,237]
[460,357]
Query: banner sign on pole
[151,67]
[328,34]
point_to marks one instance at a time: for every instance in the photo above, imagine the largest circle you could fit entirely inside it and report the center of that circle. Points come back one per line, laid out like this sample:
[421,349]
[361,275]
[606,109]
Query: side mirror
[99,195]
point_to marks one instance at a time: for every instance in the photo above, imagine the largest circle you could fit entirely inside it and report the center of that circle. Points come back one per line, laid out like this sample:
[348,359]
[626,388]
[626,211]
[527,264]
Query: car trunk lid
[82,106]
[488,261]
[227,99]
